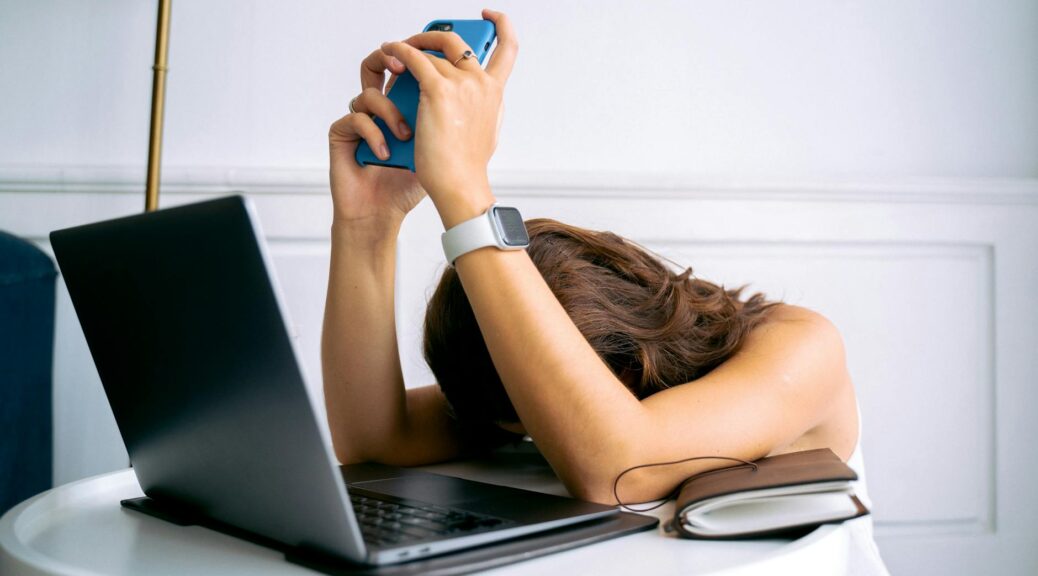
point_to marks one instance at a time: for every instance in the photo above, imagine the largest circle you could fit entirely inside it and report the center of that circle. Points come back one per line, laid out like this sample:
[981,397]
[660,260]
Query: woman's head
[653,327]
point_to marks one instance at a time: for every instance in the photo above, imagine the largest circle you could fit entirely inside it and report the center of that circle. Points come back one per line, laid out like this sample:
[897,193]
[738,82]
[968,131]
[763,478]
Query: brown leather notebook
[785,494]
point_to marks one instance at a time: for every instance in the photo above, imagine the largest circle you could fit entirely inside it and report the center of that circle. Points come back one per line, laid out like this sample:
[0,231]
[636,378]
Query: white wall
[819,88]
[877,161]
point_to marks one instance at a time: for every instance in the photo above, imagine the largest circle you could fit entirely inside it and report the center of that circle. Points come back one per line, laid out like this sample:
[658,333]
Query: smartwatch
[500,226]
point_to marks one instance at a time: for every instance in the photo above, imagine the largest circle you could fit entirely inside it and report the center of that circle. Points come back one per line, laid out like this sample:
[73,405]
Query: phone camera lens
[443,27]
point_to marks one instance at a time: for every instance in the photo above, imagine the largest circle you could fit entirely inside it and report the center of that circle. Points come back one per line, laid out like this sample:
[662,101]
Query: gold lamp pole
[158,103]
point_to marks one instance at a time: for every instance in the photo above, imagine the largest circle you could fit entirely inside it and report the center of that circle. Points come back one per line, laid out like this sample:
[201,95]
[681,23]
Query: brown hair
[653,327]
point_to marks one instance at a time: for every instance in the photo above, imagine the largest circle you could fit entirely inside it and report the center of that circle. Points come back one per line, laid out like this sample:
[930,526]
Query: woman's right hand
[374,197]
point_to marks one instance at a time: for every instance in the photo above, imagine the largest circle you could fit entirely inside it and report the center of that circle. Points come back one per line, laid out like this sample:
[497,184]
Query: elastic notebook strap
[676,491]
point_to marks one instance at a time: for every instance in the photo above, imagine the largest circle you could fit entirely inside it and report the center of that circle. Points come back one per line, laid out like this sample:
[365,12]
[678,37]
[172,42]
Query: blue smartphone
[479,35]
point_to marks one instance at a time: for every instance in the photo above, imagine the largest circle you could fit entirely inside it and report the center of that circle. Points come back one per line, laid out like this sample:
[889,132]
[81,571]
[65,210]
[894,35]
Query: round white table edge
[16,557]
[825,547]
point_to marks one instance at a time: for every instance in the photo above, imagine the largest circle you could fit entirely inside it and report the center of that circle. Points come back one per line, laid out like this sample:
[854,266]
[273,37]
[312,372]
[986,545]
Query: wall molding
[314,181]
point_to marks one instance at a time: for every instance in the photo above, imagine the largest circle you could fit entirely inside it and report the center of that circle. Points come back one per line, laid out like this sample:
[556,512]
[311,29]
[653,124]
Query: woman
[612,362]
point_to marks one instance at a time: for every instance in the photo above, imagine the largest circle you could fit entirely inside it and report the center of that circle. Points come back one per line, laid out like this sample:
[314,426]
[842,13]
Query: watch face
[510,225]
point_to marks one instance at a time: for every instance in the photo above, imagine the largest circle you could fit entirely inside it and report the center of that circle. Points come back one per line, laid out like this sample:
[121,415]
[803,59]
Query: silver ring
[352,102]
[468,54]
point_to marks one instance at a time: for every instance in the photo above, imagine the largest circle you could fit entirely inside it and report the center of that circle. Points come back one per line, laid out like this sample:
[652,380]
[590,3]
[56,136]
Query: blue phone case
[479,35]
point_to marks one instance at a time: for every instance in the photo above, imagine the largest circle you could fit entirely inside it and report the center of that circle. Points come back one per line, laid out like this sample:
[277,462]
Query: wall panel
[930,284]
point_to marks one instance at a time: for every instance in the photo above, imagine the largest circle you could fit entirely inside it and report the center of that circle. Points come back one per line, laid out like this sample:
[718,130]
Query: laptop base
[461,562]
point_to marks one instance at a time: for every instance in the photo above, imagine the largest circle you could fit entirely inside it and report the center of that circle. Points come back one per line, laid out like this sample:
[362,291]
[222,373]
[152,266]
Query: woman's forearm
[582,418]
[778,388]
[363,382]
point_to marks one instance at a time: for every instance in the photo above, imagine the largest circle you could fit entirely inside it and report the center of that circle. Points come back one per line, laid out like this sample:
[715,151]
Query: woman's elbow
[636,487]
[596,481]
[591,490]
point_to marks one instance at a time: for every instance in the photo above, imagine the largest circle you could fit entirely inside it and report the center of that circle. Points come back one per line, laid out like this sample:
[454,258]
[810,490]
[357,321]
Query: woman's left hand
[459,114]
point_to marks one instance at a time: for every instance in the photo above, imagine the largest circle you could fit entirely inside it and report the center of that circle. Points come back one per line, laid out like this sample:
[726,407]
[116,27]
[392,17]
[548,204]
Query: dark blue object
[27,278]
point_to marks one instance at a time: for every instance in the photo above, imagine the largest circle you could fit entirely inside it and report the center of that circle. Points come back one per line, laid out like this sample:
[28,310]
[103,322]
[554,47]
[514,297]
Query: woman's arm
[583,419]
[370,414]
[784,382]
[786,389]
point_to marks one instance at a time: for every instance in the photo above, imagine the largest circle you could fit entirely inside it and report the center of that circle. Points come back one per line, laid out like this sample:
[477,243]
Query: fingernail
[405,130]
[396,63]
[383,151]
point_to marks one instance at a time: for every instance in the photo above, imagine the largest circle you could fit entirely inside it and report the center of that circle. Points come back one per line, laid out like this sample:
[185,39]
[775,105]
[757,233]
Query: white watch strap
[468,236]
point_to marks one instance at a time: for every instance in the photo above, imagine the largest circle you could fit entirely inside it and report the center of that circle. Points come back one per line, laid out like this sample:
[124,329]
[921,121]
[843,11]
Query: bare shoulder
[809,347]
[798,314]
[788,327]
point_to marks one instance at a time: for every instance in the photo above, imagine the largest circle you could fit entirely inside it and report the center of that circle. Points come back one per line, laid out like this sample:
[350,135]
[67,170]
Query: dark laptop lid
[186,329]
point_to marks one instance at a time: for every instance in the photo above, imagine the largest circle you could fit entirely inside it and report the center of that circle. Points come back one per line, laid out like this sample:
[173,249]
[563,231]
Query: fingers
[425,67]
[352,128]
[501,64]
[421,65]
[373,101]
[447,43]
[373,69]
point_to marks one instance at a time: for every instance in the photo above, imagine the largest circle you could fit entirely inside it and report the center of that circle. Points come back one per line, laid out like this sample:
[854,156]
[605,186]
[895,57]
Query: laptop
[188,332]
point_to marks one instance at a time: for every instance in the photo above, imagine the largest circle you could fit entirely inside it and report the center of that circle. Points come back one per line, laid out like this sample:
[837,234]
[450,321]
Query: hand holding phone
[480,36]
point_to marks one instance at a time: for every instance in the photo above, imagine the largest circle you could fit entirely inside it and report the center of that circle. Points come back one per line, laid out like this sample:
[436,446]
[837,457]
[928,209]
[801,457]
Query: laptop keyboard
[385,521]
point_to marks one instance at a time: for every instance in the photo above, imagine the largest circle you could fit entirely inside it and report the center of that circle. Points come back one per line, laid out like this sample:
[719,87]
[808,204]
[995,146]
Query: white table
[80,528]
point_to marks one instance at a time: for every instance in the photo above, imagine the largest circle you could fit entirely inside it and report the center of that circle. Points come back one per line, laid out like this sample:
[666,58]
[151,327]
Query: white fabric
[863,556]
